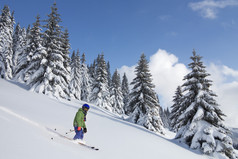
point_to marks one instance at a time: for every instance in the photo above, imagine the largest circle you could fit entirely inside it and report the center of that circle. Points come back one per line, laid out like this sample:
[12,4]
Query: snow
[199,114]
[25,118]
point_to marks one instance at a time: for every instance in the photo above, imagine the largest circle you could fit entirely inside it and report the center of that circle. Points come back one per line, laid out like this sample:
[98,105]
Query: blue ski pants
[79,134]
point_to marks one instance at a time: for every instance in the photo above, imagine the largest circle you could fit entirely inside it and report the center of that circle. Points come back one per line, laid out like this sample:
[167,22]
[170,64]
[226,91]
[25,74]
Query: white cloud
[225,85]
[230,72]
[168,73]
[209,8]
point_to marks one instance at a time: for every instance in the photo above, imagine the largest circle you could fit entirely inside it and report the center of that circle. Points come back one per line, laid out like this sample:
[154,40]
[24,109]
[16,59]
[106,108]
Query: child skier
[79,122]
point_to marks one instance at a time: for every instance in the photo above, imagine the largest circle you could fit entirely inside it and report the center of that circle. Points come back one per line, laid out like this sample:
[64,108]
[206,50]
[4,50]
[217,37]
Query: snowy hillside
[234,137]
[26,117]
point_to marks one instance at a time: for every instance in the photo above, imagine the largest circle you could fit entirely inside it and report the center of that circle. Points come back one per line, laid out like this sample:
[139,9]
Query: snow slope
[26,117]
[234,137]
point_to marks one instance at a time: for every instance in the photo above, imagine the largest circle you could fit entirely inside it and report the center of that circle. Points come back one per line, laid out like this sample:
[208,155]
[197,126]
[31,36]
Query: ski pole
[69,131]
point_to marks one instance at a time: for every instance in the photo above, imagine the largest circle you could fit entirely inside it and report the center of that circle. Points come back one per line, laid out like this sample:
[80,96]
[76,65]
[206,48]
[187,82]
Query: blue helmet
[86,106]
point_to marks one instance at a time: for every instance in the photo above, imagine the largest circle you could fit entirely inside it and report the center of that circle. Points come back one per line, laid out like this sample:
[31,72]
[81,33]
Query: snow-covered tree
[21,56]
[175,112]
[165,114]
[65,49]
[19,42]
[143,103]
[168,114]
[92,72]
[56,78]
[37,55]
[75,82]
[125,90]
[100,90]
[201,120]
[6,43]
[28,29]
[109,79]
[85,80]
[15,44]
[116,94]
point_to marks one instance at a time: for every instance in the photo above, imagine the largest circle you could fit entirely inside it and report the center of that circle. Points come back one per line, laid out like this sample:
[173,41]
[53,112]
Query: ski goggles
[86,109]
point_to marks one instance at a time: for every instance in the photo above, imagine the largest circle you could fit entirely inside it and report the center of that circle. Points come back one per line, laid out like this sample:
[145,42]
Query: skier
[79,123]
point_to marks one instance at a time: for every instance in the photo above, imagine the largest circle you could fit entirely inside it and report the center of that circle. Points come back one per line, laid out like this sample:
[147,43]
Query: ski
[91,147]
[68,138]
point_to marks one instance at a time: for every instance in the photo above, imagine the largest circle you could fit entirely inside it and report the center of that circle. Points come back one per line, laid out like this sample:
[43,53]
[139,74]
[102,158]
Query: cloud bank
[209,8]
[168,74]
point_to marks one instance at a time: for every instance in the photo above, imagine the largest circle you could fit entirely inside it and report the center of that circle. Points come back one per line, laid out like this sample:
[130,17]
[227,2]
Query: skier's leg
[81,134]
[77,135]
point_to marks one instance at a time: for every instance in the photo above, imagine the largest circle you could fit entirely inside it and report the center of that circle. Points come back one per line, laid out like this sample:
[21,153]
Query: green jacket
[79,119]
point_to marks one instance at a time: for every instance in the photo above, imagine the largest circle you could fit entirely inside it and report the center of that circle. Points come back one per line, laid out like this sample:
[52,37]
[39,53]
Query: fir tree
[125,91]
[21,56]
[57,76]
[100,90]
[168,114]
[85,80]
[36,70]
[92,72]
[116,94]
[109,78]
[164,114]
[28,29]
[6,43]
[18,43]
[143,103]
[175,112]
[201,119]
[75,82]
[65,49]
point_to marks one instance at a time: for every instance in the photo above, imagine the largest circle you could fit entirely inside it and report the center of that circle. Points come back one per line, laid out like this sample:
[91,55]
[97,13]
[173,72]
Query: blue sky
[123,29]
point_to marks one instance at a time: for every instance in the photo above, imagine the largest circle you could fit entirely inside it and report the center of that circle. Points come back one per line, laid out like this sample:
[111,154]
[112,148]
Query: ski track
[8,111]
[45,128]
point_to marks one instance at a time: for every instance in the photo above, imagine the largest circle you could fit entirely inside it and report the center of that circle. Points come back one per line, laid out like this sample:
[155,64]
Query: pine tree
[28,29]
[143,103]
[57,77]
[164,114]
[100,90]
[66,46]
[21,56]
[85,80]
[109,77]
[37,55]
[75,82]
[201,121]
[17,44]
[92,72]
[168,114]
[125,91]
[116,94]
[175,112]
[6,43]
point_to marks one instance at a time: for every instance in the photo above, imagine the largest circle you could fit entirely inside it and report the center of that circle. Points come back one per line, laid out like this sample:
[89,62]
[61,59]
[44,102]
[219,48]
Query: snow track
[20,117]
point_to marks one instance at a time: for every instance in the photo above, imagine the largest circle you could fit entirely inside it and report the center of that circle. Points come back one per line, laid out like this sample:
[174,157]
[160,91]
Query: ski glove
[79,128]
[85,130]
